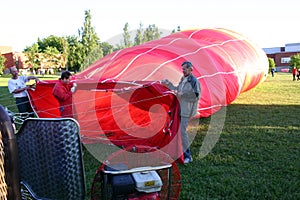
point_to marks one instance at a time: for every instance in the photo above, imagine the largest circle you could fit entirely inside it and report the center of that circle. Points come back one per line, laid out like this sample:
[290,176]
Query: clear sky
[267,23]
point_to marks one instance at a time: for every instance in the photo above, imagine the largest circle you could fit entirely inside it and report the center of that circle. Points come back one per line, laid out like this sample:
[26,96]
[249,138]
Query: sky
[267,23]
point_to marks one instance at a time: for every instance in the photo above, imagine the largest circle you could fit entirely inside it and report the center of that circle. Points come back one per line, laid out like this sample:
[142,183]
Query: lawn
[257,154]
[257,146]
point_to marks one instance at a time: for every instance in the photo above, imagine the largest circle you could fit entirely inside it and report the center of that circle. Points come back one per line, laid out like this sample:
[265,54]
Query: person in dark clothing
[272,72]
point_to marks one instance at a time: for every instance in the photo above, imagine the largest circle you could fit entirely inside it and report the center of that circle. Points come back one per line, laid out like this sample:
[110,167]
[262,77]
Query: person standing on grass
[294,72]
[63,91]
[188,92]
[272,71]
[17,86]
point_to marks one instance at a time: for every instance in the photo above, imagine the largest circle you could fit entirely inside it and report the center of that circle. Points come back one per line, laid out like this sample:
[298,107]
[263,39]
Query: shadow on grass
[256,156]
[263,115]
[7,99]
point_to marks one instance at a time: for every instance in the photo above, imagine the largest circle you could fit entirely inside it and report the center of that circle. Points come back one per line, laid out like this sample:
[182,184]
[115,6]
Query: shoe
[188,160]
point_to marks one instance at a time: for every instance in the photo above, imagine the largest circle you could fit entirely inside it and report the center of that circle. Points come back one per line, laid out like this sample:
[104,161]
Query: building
[6,52]
[12,58]
[282,55]
[20,61]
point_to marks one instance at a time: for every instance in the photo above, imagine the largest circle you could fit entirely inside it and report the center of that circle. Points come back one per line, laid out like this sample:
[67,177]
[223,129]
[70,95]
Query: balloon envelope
[225,62]
[119,98]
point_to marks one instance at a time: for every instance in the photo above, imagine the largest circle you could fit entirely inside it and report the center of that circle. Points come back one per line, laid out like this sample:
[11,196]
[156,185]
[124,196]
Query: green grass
[257,155]
[7,99]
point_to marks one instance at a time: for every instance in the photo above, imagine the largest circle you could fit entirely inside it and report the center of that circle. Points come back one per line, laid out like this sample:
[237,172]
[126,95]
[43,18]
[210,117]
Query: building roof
[272,50]
[292,44]
[290,47]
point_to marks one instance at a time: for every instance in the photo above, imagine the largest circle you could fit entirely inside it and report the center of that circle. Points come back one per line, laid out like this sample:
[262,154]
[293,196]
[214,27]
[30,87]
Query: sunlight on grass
[278,90]
[257,155]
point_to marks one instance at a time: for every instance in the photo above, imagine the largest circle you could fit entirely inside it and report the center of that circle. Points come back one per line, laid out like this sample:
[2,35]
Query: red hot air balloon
[120,100]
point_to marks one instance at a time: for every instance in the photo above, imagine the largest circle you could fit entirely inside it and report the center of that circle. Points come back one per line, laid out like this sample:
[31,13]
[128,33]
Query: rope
[18,118]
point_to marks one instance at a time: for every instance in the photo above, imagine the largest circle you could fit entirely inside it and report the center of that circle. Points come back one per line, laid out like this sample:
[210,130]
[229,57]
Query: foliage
[126,37]
[151,33]
[2,61]
[75,58]
[50,56]
[138,39]
[50,52]
[106,48]
[51,41]
[91,57]
[65,52]
[33,56]
[76,53]
[295,61]
[141,36]
[271,64]
[71,52]
[90,43]
[126,42]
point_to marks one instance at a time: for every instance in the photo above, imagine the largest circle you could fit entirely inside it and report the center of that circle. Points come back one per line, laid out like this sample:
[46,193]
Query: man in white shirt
[17,86]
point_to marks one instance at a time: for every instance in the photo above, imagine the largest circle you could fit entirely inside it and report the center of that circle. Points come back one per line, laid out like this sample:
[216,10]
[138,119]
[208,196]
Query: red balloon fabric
[118,113]
[225,62]
[119,98]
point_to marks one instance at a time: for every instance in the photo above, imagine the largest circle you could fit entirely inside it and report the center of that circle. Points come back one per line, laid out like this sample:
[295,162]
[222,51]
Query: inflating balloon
[119,98]
[225,62]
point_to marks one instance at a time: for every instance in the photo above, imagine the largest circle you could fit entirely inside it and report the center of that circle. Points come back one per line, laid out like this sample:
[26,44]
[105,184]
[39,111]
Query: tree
[51,52]
[151,33]
[106,48]
[51,57]
[142,36]
[126,37]
[139,36]
[178,30]
[65,51]
[75,58]
[295,61]
[33,57]
[90,42]
[51,41]
[271,64]
[2,61]
[91,57]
